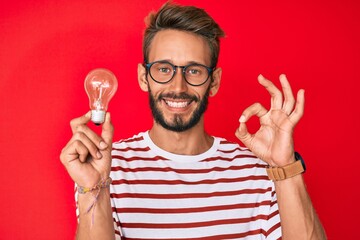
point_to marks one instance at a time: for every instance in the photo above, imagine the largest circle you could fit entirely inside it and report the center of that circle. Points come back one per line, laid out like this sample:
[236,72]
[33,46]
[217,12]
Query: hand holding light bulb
[100,85]
[87,155]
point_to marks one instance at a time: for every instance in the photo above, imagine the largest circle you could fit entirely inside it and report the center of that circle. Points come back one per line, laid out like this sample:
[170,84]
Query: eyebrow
[188,63]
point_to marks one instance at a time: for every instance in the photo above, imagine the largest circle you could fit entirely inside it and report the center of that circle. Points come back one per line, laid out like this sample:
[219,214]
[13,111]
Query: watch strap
[288,171]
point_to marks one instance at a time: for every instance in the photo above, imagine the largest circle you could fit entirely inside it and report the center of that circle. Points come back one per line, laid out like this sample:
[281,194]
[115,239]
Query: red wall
[47,48]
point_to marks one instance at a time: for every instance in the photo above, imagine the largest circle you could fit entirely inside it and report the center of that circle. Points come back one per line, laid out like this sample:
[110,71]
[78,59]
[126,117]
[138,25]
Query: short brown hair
[183,18]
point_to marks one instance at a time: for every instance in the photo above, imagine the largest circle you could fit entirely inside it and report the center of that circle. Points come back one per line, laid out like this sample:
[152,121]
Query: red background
[48,47]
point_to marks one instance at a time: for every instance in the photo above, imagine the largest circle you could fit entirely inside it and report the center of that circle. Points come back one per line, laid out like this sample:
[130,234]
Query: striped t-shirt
[223,193]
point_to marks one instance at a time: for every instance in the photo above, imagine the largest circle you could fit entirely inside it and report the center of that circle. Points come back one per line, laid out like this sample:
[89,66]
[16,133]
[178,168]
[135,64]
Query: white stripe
[185,233]
[196,216]
[188,189]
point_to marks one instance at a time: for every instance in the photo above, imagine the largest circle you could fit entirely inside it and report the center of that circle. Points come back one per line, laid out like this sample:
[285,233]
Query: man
[175,181]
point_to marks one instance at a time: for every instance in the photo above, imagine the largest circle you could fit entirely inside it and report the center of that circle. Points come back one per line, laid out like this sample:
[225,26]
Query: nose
[178,83]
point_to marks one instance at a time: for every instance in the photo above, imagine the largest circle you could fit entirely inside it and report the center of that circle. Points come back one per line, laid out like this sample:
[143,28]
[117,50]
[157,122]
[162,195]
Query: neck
[190,142]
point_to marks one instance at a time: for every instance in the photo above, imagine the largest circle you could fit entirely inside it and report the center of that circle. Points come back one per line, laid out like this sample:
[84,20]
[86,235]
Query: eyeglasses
[162,72]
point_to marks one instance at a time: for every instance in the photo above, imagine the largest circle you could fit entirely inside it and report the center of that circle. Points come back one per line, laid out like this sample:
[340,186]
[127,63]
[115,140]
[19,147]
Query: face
[176,105]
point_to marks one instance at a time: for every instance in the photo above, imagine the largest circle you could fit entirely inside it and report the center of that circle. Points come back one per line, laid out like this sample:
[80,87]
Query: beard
[178,124]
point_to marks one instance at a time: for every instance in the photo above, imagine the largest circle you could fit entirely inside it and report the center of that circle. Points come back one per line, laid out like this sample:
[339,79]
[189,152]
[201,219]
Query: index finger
[275,93]
[107,130]
[80,121]
[288,94]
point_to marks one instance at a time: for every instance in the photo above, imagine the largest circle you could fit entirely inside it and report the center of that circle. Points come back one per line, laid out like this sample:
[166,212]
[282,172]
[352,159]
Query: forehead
[179,47]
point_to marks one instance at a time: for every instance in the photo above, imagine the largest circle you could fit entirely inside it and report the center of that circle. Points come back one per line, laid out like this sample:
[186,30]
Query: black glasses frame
[174,67]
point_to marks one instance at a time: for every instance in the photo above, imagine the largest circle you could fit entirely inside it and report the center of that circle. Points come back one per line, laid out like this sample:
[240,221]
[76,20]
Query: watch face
[298,157]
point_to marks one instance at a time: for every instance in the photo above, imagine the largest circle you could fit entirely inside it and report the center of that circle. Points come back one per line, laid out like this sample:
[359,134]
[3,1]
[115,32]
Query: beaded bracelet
[102,184]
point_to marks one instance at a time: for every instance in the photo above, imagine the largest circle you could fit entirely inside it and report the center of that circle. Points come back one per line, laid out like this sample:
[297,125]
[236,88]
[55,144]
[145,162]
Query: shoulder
[135,140]
[132,146]
[233,150]
[130,149]
[227,147]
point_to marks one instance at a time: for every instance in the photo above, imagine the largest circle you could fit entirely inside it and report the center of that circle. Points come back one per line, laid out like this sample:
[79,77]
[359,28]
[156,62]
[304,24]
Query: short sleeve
[273,228]
[115,216]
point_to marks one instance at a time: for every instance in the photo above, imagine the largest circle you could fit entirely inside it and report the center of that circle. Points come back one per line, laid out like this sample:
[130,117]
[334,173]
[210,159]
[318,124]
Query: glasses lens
[196,74]
[161,71]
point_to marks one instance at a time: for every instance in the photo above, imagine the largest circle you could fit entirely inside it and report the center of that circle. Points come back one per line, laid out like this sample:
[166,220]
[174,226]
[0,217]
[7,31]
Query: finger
[243,135]
[289,100]
[275,93]
[91,146]
[107,130]
[255,109]
[96,139]
[74,151]
[299,107]
[83,120]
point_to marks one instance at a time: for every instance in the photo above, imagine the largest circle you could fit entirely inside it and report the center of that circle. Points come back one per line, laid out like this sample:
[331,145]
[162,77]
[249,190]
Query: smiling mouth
[178,101]
[177,104]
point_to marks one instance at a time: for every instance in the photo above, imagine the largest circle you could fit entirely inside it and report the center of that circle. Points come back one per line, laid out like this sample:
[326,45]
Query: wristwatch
[288,171]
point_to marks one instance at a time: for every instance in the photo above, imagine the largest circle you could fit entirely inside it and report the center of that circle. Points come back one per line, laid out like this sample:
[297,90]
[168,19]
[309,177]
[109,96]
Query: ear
[143,83]
[215,83]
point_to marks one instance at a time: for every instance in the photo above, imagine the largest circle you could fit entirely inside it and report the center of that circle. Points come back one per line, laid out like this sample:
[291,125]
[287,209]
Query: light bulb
[100,86]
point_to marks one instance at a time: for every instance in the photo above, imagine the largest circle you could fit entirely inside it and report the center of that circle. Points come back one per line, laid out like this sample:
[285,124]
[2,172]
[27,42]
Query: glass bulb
[100,86]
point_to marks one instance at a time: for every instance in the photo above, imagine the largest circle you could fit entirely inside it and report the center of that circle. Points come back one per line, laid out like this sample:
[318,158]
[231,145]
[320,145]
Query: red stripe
[193,224]
[177,182]
[135,139]
[233,150]
[273,214]
[228,159]
[227,142]
[117,232]
[216,237]
[273,228]
[191,210]
[273,193]
[186,171]
[273,203]
[145,149]
[189,195]
[129,159]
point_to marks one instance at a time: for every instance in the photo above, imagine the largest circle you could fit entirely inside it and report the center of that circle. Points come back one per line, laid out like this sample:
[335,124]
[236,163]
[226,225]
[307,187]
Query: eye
[163,68]
[194,70]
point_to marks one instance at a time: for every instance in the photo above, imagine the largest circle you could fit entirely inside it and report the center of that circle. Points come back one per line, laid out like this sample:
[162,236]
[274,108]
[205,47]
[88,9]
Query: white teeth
[177,104]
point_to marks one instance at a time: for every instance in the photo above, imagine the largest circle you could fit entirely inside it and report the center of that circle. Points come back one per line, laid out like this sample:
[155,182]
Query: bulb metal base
[98,116]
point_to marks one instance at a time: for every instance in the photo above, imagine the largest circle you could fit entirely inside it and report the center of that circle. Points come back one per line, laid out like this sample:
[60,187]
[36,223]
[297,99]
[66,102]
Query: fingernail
[98,154]
[103,145]
[242,119]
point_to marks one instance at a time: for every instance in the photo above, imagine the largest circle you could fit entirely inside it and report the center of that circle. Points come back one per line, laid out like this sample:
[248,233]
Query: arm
[87,158]
[95,224]
[298,217]
[273,143]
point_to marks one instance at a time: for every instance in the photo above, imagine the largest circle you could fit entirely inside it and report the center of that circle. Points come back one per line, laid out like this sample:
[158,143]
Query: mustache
[174,96]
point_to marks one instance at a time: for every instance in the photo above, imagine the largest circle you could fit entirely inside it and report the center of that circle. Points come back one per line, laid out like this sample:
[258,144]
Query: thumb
[107,130]
[242,132]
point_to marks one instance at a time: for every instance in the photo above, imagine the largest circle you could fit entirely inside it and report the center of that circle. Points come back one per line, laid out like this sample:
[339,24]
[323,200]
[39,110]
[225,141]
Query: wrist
[296,167]
[91,179]
[103,183]
[282,162]
[88,203]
